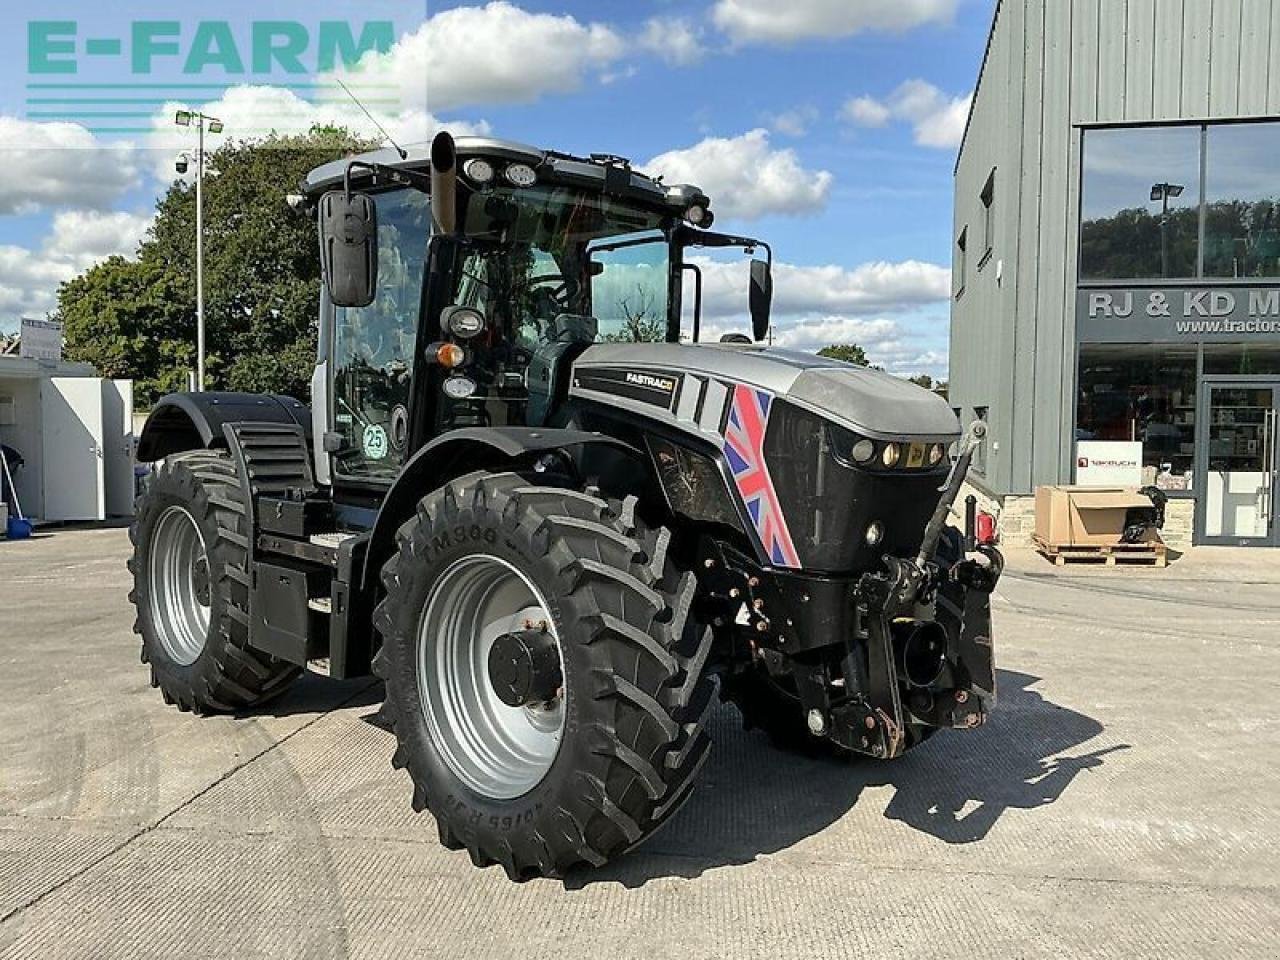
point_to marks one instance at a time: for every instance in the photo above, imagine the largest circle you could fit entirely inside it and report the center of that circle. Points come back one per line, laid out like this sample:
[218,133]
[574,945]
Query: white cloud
[785,21]
[61,165]
[865,112]
[675,39]
[905,346]
[794,122]
[746,177]
[497,53]
[82,238]
[894,311]
[876,287]
[937,119]
[28,284]
[29,279]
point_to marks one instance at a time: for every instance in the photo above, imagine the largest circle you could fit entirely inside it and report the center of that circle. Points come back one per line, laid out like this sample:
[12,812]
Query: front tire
[191,581]
[491,556]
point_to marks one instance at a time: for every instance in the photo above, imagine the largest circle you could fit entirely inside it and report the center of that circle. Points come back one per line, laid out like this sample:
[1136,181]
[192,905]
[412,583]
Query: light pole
[184,119]
[1162,192]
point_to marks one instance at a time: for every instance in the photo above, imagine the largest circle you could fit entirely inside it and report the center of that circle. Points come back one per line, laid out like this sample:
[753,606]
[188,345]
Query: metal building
[1117,252]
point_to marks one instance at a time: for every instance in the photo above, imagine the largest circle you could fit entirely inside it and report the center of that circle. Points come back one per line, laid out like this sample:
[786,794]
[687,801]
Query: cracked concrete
[1123,802]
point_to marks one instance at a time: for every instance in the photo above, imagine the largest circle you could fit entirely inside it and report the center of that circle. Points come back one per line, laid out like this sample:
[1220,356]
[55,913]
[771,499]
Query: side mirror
[349,247]
[761,298]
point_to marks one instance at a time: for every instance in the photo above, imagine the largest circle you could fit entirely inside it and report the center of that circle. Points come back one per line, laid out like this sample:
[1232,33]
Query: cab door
[372,351]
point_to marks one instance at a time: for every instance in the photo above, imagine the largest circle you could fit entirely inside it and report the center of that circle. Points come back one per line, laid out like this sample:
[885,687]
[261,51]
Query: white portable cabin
[74,431]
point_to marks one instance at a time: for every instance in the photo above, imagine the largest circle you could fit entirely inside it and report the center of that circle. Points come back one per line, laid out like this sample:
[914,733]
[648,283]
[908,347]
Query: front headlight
[463,322]
[891,454]
[862,451]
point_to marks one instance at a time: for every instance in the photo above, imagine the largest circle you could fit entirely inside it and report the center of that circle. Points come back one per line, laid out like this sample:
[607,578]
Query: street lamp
[1162,192]
[184,118]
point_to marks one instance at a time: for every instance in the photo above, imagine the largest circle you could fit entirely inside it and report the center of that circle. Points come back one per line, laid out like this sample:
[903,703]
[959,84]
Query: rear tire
[633,697]
[191,580]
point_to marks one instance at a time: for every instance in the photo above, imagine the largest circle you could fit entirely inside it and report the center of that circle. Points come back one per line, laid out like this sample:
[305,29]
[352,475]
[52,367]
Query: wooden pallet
[1153,554]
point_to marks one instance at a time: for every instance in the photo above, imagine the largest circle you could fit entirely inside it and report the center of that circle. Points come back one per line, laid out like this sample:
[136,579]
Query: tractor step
[331,540]
[320,604]
[319,666]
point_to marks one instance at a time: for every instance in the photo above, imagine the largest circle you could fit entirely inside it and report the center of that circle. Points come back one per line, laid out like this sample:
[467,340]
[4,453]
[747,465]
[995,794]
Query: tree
[848,352]
[922,380]
[641,322]
[136,318]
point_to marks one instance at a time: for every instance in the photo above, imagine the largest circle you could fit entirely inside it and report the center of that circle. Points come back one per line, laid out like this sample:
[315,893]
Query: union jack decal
[744,449]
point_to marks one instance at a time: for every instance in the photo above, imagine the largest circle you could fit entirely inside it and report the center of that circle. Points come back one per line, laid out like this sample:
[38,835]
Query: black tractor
[550,519]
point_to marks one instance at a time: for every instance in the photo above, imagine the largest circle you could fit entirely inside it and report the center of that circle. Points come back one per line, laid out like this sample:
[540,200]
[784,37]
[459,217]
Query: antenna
[404,154]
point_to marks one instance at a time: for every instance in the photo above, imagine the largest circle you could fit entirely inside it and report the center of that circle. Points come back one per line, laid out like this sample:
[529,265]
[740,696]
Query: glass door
[1239,461]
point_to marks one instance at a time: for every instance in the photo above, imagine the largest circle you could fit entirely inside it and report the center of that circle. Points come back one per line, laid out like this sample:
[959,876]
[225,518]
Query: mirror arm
[382,172]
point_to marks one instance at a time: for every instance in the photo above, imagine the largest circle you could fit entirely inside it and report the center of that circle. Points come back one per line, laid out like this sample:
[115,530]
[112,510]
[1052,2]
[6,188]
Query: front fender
[459,452]
[194,421]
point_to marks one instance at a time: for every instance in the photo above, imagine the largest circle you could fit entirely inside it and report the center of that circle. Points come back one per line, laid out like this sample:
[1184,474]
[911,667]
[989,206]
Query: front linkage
[878,661]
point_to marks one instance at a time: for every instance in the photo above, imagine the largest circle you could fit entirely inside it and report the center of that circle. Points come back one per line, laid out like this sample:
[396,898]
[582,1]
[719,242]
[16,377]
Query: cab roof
[551,165]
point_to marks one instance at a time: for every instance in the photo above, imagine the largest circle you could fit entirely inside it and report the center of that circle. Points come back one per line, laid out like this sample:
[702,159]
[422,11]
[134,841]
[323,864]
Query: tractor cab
[482,270]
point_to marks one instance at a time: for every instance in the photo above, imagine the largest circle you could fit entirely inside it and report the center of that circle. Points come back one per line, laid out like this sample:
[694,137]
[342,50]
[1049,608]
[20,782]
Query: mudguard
[460,451]
[194,421]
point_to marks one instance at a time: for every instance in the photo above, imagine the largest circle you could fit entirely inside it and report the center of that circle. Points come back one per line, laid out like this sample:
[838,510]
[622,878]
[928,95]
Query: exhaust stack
[444,183]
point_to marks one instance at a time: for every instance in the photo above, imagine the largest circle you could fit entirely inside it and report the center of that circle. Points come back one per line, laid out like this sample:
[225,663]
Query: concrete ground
[1123,802]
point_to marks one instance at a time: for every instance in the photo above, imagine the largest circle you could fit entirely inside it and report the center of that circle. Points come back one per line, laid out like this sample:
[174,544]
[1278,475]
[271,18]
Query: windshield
[546,263]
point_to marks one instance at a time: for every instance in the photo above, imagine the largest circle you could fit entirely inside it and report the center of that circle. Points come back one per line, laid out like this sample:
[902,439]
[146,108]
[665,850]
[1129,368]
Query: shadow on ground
[754,799]
[315,694]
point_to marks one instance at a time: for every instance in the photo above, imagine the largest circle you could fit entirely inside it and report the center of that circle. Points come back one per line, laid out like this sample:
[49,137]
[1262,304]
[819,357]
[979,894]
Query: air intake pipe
[444,183]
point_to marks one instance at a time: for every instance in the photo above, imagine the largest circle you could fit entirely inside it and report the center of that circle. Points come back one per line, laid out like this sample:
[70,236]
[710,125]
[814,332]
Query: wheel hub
[524,668]
[490,676]
[179,583]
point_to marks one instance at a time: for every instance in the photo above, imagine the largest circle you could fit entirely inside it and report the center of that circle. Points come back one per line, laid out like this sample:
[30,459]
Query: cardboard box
[1070,516]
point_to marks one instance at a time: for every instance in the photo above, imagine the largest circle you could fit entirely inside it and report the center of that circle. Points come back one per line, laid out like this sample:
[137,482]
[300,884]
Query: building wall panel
[1224,57]
[1273,63]
[1139,58]
[1018,453]
[983,315]
[1054,191]
[1112,27]
[1084,47]
[1197,17]
[1253,66]
[1166,68]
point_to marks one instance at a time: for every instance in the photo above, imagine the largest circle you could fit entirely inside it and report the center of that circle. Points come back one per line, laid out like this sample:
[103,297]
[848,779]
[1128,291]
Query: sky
[827,127]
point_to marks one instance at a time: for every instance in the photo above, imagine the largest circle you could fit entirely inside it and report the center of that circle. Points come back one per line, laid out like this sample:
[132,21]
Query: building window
[988,197]
[1242,359]
[1242,200]
[1140,203]
[962,260]
[1143,392]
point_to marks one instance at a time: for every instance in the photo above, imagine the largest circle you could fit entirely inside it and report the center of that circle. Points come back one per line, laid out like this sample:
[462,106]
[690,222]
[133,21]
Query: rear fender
[194,421]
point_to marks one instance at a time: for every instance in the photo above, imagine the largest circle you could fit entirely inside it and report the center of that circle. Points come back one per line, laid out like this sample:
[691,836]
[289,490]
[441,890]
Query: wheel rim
[179,585]
[499,751]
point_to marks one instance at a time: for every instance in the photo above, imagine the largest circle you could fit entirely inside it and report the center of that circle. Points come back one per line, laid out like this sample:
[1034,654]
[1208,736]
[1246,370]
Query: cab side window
[373,346]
